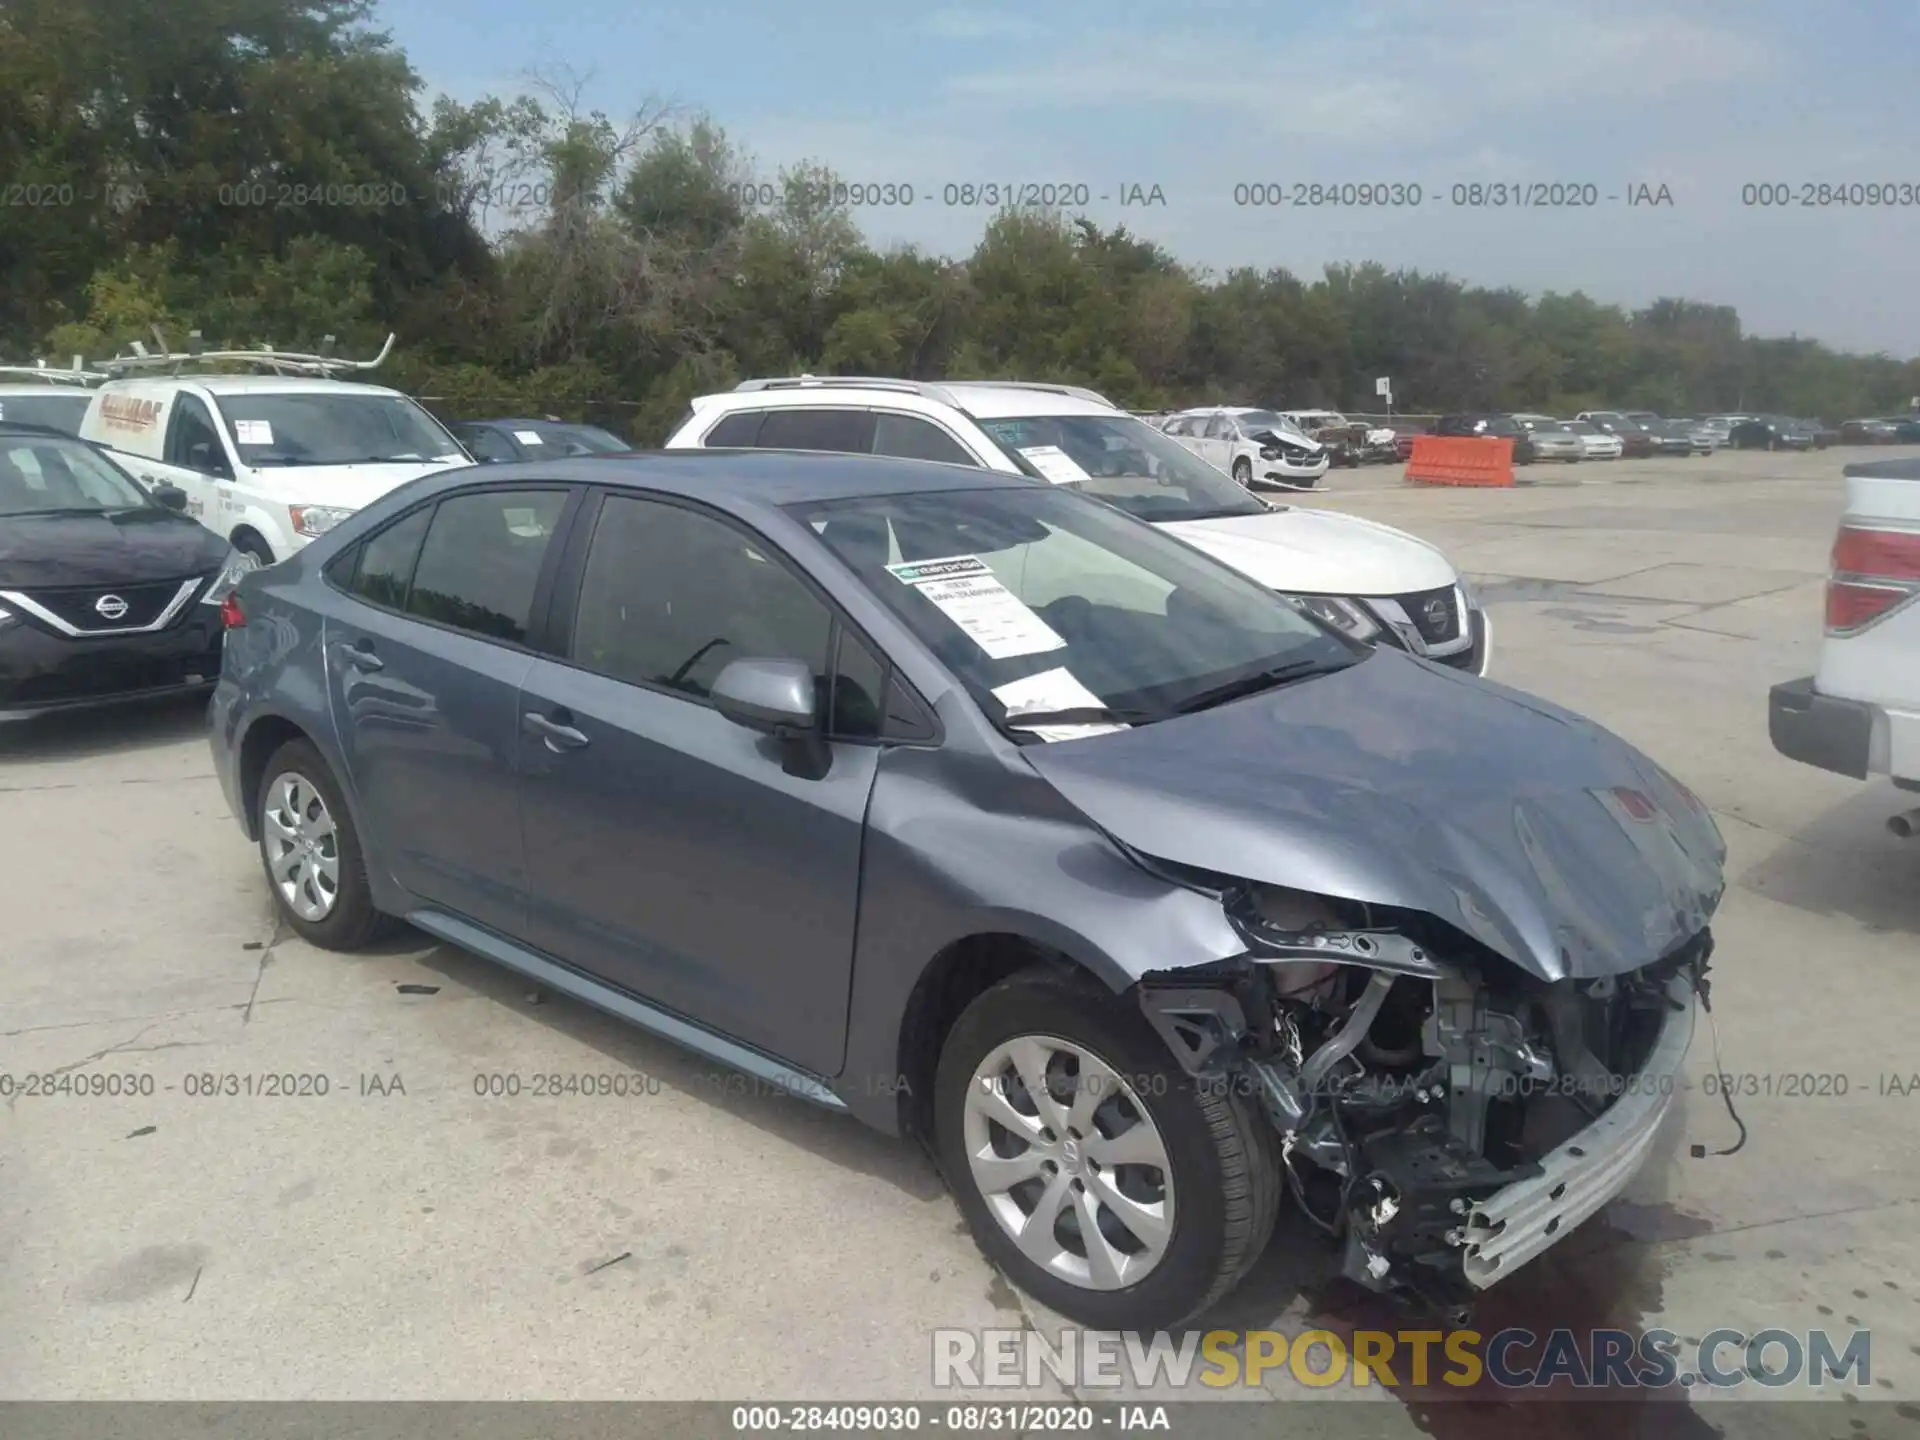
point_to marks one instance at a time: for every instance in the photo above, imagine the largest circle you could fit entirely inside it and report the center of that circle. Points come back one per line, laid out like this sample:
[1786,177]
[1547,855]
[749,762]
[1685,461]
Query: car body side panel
[946,829]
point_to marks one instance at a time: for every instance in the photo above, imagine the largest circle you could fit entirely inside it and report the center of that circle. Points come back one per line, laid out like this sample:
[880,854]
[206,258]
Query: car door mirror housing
[778,699]
[171,496]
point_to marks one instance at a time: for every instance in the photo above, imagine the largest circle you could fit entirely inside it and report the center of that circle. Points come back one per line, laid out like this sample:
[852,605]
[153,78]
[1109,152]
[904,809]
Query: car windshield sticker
[1056,689]
[1054,463]
[253,432]
[528,437]
[970,595]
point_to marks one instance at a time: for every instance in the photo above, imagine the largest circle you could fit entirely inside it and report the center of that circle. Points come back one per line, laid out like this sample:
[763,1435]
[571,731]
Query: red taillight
[232,617]
[1877,554]
[1874,571]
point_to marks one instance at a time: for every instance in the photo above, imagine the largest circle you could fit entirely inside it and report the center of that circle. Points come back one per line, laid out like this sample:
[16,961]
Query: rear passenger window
[386,561]
[481,562]
[916,439]
[848,431]
[738,430]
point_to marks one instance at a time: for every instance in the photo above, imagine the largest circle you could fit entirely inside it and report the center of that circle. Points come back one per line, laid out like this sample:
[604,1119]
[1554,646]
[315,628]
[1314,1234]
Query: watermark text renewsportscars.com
[1514,1358]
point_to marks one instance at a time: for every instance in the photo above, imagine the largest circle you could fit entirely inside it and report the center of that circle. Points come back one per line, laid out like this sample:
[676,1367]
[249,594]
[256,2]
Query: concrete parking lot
[402,1236]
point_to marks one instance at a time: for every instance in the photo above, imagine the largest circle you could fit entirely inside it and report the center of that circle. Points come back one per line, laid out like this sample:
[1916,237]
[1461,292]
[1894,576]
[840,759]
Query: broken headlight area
[1443,1115]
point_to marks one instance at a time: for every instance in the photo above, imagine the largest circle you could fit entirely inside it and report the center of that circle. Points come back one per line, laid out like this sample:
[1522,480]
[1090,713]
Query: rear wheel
[1090,1167]
[311,851]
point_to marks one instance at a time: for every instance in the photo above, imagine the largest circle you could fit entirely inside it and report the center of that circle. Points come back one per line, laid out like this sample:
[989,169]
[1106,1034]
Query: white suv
[1858,714]
[1369,581]
[1253,446]
[268,461]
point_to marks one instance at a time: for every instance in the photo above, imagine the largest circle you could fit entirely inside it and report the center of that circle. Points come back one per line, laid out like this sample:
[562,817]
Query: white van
[268,461]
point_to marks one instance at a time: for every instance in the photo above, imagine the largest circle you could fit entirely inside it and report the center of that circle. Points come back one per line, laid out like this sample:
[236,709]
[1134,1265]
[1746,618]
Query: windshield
[1582,427]
[1038,601]
[317,428]
[1125,462]
[571,439]
[42,475]
[1252,420]
[58,412]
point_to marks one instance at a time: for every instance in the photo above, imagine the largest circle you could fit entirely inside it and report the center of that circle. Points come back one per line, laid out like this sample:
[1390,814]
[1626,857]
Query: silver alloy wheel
[1069,1162]
[303,846]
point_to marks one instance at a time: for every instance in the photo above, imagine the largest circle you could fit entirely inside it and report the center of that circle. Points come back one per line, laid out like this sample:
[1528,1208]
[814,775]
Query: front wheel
[254,548]
[1091,1169]
[1243,472]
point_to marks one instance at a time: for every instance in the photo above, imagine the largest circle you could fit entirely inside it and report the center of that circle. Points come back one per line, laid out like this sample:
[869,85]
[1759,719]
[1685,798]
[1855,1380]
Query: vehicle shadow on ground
[833,1136]
[1847,863]
[118,729]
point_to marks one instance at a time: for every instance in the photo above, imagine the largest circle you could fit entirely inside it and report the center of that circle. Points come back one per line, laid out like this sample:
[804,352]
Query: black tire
[1243,472]
[352,923]
[1223,1154]
[248,543]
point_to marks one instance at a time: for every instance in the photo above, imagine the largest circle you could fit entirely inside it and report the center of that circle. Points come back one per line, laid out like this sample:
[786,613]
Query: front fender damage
[1444,1117]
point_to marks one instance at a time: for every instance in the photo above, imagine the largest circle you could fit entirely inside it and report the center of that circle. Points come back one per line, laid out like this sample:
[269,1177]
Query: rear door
[424,678]
[669,851]
[1214,447]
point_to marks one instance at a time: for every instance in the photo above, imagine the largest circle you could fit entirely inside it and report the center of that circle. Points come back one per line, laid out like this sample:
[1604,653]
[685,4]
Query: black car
[501,440]
[1771,432]
[1500,427]
[107,591]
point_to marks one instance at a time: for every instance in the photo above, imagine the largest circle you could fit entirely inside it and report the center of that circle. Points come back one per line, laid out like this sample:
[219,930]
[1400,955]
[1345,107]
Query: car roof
[253,385]
[986,401]
[749,478]
[530,420]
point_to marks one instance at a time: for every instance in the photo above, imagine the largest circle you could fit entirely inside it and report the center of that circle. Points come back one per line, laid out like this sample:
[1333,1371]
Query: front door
[196,459]
[424,666]
[668,850]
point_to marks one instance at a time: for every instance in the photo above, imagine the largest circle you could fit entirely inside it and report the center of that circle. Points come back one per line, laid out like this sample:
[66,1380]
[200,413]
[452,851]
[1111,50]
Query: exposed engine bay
[1442,1114]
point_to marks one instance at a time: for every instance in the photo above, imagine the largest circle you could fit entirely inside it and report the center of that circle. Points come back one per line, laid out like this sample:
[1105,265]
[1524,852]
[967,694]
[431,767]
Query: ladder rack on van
[78,374]
[280,362]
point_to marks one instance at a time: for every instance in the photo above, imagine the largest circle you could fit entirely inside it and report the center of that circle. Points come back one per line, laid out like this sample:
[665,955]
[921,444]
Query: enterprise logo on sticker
[969,594]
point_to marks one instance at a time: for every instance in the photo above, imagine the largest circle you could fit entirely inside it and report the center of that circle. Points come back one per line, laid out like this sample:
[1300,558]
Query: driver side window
[192,441]
[671,596]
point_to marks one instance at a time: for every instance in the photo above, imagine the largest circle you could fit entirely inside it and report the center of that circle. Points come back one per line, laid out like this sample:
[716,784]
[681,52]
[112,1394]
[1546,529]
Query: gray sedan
[994,816]
[1553,439]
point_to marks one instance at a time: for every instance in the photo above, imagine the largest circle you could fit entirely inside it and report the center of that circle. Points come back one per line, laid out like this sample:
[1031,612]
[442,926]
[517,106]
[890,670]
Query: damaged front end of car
[1444,1115]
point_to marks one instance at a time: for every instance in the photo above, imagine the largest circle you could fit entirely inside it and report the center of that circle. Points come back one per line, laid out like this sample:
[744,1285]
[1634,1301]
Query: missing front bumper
[1512,1226]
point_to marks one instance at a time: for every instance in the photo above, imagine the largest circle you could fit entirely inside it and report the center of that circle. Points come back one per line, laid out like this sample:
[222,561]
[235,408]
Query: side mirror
[776,698]
[171,496]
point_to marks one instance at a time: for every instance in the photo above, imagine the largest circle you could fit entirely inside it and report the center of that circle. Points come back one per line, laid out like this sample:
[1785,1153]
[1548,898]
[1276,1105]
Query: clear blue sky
[1198,96]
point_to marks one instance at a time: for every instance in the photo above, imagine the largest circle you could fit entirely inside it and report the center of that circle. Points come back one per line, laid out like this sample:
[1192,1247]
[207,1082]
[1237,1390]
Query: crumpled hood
[1298,439]
[106,549]
[1319,552]
[1404,783]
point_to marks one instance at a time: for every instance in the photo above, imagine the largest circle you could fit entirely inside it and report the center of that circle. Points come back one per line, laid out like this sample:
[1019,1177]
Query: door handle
[361,657]
[558,736]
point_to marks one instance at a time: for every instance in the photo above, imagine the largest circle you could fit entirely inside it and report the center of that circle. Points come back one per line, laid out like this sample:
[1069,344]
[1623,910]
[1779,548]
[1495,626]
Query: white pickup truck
[1859,713]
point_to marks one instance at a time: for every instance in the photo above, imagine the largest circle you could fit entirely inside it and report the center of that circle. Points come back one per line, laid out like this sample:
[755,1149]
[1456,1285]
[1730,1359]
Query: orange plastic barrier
[1461,460]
